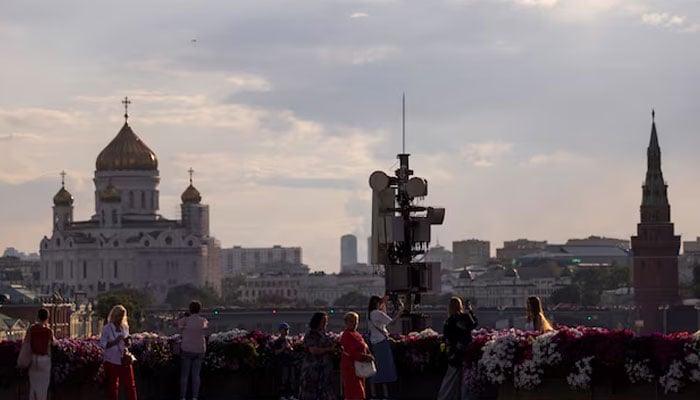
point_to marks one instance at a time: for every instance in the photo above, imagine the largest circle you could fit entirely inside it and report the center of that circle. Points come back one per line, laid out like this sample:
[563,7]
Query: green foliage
[319,303]
[696,281]
[135,301]
[230,289]
[182,295]
[593,281]
[352,299]
[567,294]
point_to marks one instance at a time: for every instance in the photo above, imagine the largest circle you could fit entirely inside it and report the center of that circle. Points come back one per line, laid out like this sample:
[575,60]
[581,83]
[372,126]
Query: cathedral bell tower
[655,247]
[62,207]
[195,216]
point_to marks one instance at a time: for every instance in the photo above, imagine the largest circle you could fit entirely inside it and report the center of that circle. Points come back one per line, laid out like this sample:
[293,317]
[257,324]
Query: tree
[230,293]
[180,296]
[566,294]
[135,301]
[319,303]
[593,281]
[352,299]
[696,281]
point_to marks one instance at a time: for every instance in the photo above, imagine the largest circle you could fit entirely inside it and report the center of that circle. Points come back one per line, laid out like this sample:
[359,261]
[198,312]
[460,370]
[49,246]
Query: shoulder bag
[24,359]
[365,369]
[127,357]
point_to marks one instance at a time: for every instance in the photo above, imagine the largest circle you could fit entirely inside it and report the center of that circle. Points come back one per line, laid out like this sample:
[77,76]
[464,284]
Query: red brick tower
[655,248]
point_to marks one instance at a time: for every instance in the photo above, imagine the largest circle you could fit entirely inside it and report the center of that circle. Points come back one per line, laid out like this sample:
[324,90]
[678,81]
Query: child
[282,349]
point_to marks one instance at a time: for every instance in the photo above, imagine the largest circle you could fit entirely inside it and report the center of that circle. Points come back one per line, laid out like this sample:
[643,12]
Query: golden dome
[191,195]
[110,194]
[63,198]
[126,152]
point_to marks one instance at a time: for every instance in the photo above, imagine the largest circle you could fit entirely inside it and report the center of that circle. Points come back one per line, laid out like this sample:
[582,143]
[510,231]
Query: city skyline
[529,118]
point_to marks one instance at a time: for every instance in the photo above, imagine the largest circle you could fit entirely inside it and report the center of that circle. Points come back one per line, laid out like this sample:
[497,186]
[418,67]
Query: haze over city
[528,118]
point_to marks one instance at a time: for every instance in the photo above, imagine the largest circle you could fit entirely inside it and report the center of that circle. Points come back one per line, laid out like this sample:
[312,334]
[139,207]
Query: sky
[529,118]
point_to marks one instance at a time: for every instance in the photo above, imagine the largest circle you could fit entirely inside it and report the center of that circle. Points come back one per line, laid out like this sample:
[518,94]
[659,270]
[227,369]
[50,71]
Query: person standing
[192,348]
[536,321]
[284,359]
[354,349]
[115,341]
[458,334]
[316,381]
[378,319]
[40,338]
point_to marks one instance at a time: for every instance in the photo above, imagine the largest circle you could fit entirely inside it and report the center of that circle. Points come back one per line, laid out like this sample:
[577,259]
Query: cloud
[359,15]
[249,83]
[486,154]
[557,157]
[663,19]
[537,3]
[21,136]
[357,56]
[37,118]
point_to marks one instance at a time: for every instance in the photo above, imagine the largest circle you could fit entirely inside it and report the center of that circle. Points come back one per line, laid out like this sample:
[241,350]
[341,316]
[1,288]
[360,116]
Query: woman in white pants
[40,337]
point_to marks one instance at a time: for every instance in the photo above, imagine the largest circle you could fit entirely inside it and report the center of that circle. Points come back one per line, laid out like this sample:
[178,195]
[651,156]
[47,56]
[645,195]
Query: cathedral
[126,243]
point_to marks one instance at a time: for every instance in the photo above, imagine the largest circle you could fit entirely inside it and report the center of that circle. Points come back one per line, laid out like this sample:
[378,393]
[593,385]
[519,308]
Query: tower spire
[191,171]
[126,103]
[63,179]
[654,191]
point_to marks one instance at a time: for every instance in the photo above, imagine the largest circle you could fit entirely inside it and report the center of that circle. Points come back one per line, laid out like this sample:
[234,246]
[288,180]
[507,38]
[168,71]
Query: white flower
[581,378]
[227,336]
[527,375]
[497,358]
[639,372]
[671,380]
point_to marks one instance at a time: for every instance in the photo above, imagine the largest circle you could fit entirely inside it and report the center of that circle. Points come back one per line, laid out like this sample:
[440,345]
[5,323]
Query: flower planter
[549,389]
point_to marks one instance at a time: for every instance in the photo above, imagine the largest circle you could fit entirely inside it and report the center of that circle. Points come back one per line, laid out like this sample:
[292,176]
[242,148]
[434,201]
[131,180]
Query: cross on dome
[63,178]
[126,103]
[191,171]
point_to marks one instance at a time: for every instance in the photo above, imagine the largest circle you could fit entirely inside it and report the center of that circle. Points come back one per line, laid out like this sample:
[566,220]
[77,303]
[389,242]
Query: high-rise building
[470,252]
[513,249]
[439,254]
[348,252]
[277,259]
[656,246]
[126,243]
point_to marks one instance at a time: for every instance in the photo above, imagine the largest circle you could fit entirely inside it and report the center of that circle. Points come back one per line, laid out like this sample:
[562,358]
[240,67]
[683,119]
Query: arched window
[114,216]
[143,199]
[131,199]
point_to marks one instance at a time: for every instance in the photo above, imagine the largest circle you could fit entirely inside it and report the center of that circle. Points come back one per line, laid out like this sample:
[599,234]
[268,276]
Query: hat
[283,325]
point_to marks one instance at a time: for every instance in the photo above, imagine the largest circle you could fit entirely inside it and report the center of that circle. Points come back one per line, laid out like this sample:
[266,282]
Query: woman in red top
[40,337]
[354,349]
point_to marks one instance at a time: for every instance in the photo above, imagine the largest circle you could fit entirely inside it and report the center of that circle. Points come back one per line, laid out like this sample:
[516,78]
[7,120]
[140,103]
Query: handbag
[24,359]
[127,357]
[365,369]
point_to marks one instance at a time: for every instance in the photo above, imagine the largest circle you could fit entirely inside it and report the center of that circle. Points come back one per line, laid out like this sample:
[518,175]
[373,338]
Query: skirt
[384,359]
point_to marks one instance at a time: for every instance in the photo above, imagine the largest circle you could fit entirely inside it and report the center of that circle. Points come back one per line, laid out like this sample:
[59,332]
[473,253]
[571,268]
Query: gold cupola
[191,195]
[126,151]
[63,197]
[110,194]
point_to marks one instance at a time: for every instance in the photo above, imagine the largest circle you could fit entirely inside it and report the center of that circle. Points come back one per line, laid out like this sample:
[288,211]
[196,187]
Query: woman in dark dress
[458,335]
[316,382]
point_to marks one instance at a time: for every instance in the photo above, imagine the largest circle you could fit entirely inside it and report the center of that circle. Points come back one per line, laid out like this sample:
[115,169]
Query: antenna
[403,123]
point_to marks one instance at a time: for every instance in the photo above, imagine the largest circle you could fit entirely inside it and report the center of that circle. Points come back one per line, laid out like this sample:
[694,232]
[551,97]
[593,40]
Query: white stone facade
[310,288]
[126,243]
